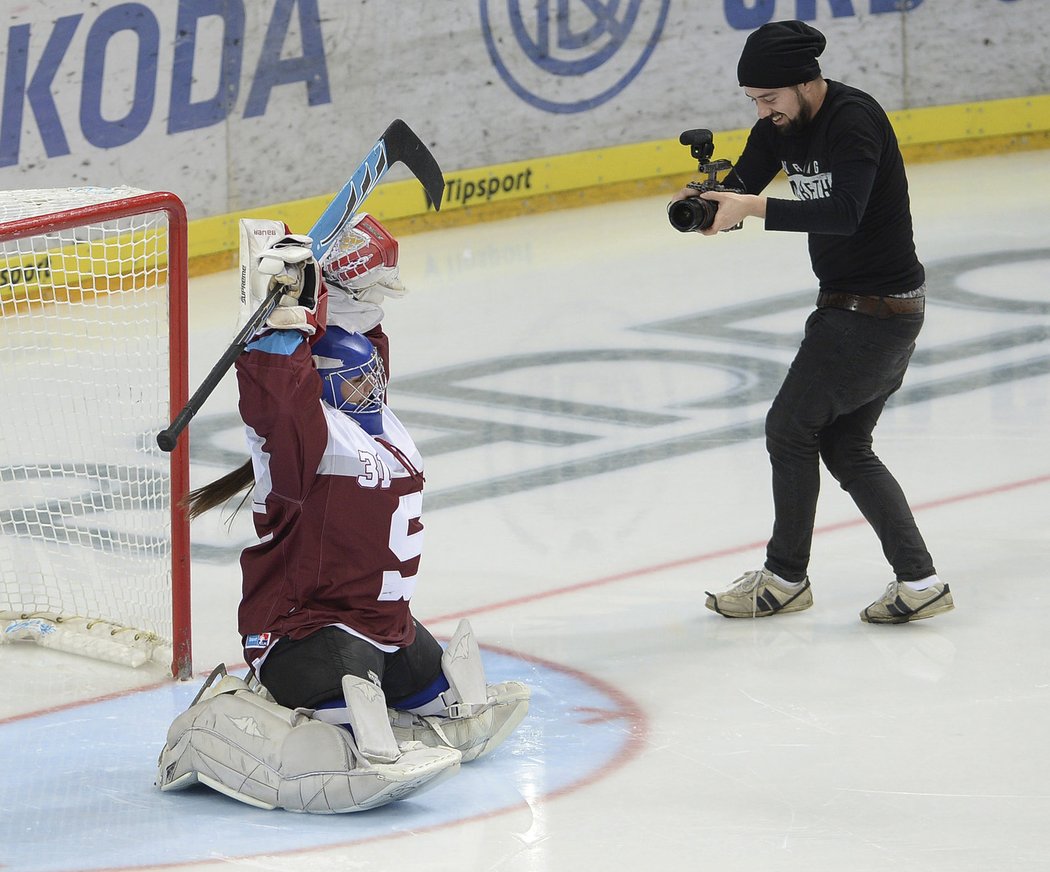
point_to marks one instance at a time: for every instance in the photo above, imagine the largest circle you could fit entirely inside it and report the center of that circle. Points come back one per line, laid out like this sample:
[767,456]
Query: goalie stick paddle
[398,144]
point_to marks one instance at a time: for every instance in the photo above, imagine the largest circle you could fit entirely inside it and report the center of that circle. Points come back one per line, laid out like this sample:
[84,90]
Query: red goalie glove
[363,261]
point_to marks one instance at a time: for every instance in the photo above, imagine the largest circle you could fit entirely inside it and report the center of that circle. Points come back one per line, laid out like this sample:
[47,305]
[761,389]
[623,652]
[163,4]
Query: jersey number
[376,473]
[405,546]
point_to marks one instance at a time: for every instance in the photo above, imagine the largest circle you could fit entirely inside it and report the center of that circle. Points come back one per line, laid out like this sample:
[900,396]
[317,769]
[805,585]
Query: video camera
[694,213]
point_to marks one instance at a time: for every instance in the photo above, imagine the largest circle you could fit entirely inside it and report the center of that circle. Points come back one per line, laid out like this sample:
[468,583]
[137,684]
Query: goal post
[94,546]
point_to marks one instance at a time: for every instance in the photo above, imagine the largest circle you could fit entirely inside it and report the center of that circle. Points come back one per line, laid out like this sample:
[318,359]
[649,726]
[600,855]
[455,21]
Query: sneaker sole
[937,607]
[792,605]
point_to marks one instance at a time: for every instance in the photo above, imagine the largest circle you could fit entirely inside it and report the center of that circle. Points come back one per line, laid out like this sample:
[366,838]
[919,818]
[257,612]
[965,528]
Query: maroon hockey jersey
[337,512]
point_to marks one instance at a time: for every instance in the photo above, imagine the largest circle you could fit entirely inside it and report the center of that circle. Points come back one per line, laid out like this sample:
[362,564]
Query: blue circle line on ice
[559,52]
[79,788]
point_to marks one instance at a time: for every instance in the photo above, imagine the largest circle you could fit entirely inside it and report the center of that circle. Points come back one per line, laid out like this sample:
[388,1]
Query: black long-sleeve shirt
[846,171]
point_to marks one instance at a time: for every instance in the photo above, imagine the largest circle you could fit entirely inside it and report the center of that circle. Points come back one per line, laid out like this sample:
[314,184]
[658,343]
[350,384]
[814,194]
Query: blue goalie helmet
[352,377]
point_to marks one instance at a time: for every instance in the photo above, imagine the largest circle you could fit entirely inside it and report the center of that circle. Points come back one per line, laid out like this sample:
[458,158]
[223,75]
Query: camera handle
[713,168]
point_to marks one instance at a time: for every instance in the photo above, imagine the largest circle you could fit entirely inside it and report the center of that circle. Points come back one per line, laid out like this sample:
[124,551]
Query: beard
[801,121]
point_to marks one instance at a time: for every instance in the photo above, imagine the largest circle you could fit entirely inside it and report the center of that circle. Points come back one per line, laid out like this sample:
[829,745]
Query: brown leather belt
[876,307]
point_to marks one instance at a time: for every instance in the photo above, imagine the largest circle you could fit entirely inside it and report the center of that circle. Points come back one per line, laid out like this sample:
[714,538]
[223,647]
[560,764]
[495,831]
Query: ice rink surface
[588,389]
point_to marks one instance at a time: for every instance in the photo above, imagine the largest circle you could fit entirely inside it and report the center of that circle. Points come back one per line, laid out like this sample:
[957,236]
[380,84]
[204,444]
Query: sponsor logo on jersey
[257,640]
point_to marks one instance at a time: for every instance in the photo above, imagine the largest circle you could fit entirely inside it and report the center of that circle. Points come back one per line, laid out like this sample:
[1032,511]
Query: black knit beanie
[780,54]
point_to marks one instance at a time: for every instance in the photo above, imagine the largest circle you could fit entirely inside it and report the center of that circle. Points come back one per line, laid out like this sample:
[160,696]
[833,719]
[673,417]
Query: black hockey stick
[398,144]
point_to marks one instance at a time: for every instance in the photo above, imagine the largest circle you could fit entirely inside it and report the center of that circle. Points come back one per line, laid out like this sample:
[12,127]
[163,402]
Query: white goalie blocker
[474,717]
[258,752]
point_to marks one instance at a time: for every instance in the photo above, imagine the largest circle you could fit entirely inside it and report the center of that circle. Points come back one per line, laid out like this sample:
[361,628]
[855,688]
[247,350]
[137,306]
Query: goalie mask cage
[94,551]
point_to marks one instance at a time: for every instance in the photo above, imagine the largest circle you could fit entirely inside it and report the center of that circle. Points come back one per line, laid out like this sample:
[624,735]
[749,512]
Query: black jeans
[846,368]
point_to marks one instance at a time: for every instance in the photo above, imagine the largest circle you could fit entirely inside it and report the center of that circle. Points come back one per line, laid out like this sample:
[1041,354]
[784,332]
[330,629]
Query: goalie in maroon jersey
[324,614]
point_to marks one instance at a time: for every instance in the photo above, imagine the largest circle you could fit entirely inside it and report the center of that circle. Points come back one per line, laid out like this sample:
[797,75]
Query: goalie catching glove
[361,271]
[271,257]
[363,261]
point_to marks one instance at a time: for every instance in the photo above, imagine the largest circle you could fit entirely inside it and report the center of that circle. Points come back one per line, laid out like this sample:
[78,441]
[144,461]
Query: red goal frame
[178,347]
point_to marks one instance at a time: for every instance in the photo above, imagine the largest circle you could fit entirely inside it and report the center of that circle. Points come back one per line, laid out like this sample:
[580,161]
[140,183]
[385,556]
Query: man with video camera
[845,168]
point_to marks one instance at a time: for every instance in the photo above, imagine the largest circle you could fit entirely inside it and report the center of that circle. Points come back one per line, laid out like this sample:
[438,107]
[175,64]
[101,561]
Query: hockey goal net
[94,553]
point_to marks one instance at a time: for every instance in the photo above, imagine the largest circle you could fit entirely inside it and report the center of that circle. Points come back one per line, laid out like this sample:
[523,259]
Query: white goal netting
[86,530]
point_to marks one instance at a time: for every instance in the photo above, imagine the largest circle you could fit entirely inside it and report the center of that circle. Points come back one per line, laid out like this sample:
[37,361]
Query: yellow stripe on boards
[620,172]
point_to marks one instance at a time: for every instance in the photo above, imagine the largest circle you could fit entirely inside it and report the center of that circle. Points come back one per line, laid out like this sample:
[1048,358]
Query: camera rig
[694,213]
[702,146]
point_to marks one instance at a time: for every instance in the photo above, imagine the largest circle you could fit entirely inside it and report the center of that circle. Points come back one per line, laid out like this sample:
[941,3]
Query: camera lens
[691,214]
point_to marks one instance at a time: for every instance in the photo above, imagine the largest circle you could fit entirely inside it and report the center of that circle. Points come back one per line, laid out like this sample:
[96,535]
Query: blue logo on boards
[562,56]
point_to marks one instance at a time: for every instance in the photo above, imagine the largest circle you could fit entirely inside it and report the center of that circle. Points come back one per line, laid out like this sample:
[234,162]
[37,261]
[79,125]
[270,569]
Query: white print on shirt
[376,474]
[404,546]
[808,182]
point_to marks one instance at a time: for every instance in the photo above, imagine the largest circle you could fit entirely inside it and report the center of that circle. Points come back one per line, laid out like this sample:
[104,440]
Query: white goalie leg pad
[366,707]
[230,740]
[324,772]
[258,688]
[269,756]
[461,663]
[477,717]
